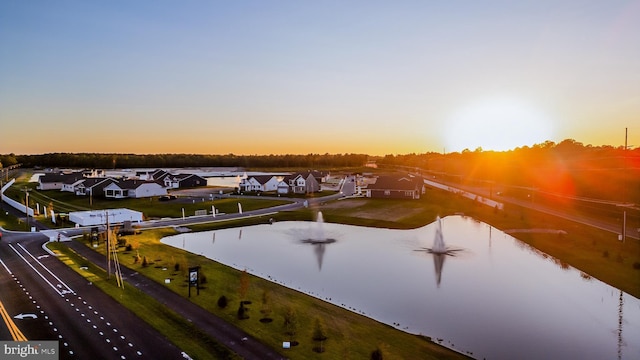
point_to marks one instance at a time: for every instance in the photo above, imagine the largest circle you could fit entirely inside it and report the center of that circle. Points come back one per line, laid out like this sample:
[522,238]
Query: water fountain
[439,250]
[438,241]
[317,234]
[319,239]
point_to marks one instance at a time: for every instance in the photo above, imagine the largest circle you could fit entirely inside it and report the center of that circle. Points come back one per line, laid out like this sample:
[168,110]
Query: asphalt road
[48,301]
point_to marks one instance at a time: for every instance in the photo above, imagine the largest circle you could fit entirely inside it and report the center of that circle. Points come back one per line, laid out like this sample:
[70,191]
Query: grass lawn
[349,335]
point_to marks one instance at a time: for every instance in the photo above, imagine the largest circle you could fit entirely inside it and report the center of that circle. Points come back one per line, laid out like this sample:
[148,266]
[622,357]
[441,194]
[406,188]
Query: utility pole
[26,205]
[624,216]
[108,249]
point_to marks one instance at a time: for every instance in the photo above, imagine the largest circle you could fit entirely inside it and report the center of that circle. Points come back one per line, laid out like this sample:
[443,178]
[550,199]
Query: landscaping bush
[222,302]
[242,311]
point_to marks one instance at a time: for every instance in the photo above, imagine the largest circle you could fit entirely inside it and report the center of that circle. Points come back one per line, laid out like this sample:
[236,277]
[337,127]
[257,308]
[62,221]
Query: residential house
[320,176]
[93,173]
[301,183]
[93,186]
[396,187]
[55,181]
[70,184]
[134,189]
[181,181]
[259,183]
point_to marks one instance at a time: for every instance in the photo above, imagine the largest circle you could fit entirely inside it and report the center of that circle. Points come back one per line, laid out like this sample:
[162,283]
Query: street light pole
[624,216]
[26,206]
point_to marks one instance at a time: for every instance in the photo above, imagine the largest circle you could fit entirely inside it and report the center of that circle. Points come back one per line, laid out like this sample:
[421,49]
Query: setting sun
[496,124]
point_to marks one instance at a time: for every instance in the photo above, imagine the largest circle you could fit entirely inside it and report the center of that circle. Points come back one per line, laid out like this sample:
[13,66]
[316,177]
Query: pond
[492,296]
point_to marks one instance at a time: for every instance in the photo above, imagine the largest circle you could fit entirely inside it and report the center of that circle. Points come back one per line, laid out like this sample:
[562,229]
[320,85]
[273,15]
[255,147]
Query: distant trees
[109,161]
[567,168]
[8,160]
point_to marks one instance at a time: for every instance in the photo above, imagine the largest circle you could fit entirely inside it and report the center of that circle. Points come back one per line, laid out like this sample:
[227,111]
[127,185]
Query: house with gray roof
[133,189]
[396,187]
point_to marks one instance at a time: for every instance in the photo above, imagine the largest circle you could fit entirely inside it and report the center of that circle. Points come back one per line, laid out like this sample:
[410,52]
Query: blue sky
[266,77]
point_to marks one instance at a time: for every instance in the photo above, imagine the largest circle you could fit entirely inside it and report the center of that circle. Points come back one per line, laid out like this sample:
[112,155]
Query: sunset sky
[273,77]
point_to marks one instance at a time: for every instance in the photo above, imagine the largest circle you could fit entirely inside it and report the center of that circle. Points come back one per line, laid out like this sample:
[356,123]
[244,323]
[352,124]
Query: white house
[259,183]
[70,184]
[134,189]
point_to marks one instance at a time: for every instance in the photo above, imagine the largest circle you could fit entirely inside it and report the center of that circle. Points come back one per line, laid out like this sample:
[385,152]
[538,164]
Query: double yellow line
[16,334]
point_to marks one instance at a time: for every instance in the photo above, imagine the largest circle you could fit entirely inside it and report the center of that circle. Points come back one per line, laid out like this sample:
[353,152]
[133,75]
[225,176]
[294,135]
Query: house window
[387,192]
[408,193]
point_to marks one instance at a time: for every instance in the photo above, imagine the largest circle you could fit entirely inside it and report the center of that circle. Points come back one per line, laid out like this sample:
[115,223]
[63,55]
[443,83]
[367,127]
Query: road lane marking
[34,269]
[5,266]
[69,290]
[22,316]
[16,334]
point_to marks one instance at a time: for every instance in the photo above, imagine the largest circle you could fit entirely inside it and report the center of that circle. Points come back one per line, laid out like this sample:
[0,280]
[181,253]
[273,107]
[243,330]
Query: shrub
[242,311]
[176,267]
[636,265]
[145,263]
[222,302]
[376,354]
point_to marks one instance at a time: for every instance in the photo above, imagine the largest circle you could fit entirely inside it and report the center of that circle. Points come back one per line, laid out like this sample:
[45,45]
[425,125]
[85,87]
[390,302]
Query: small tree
[291,323]
[376,354]
[266,307]
[244,284]
[319,334]
[222,302]
[145,263]
[242,311]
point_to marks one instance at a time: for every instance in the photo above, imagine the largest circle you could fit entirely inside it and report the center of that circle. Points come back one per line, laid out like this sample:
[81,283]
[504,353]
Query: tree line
[112,161]
[567,168]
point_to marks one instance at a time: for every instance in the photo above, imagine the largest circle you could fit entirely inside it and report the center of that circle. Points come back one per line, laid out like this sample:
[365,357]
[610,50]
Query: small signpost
[193,279]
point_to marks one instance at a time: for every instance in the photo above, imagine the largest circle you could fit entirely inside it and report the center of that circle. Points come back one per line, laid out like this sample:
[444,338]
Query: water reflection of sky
[497,298]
